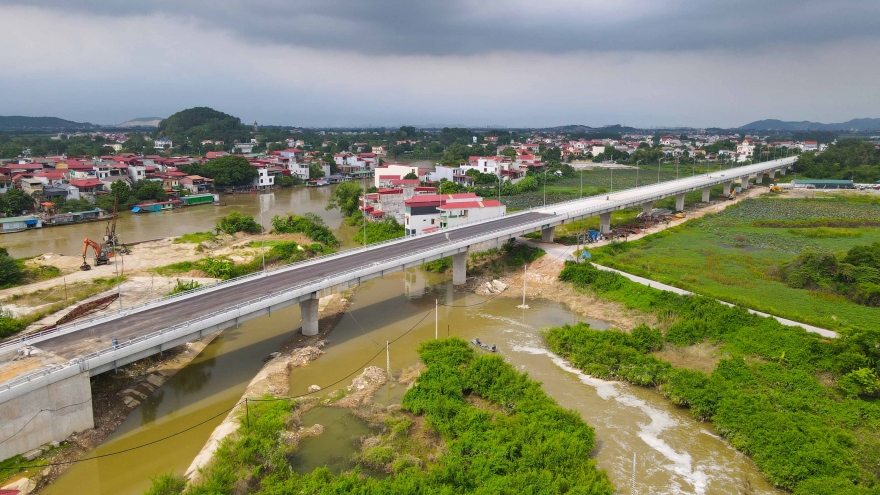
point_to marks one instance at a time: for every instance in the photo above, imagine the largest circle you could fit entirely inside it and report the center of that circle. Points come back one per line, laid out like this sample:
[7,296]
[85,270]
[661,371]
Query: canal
[673,452]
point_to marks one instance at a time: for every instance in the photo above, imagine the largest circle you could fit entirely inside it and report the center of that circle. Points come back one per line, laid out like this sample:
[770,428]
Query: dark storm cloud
[468,27]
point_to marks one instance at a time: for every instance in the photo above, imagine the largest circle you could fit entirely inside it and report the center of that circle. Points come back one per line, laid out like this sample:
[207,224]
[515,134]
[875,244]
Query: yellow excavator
[775,188]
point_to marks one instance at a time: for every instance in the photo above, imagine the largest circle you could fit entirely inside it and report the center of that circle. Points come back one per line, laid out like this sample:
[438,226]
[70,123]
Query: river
[68,239]
[674,453]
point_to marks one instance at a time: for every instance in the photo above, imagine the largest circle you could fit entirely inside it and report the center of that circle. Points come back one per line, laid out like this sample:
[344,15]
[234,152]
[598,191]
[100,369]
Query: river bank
[116,396]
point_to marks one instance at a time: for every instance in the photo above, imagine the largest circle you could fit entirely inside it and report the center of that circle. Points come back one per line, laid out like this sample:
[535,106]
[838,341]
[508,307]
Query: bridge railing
[18,341]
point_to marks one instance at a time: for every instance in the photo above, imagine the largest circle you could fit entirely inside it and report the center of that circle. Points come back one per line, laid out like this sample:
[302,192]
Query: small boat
[484,346]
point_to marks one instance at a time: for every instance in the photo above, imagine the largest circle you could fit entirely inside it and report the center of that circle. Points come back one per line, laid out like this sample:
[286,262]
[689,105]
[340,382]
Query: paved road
[82,342]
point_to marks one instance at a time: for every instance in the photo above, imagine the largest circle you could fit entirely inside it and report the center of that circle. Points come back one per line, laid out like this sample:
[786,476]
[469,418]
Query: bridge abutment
[309,310]
[459,268]
[46,414]
[547,234]
[605,223]
[706,192]
[679,202]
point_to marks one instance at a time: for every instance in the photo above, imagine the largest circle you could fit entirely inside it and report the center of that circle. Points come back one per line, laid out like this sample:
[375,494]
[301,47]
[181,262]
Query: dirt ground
[147,256]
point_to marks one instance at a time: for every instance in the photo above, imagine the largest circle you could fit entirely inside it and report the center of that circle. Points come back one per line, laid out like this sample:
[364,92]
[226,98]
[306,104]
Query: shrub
[309,224]
[236,222]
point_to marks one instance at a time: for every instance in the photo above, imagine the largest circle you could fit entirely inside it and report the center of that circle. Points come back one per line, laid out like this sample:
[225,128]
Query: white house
[264,180]
[809,146]
[745,150]
[422,212]
[162,143]
[454,213]
[299,169]
[244,147]
[137,172]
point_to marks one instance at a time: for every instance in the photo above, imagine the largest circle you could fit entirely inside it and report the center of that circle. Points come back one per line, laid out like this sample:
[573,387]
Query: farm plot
[734,256]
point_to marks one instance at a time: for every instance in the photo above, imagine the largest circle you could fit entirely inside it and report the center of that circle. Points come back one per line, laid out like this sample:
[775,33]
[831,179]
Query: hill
[781,125]
[199,123]
[41,124]
[141,122]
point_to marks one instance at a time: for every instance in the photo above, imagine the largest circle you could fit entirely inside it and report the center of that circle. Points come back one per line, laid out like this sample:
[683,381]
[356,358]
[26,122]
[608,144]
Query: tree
[230,170]
[277,147]
[509,152]
[145,190]
[346,198]
[236,222]
[410,176]
[17,201]
[10,272]
[315,171]
[551,154]
[448,187]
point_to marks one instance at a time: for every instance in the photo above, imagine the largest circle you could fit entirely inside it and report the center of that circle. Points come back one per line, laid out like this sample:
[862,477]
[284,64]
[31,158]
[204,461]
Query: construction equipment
[775,188]
[110,239]
[732,194]
[102,255]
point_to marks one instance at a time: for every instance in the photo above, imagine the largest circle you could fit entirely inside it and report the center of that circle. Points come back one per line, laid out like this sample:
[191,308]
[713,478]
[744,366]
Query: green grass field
[728,257]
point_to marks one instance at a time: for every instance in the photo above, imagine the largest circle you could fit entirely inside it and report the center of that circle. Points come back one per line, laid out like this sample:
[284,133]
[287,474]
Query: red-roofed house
[453,214]
[422,212]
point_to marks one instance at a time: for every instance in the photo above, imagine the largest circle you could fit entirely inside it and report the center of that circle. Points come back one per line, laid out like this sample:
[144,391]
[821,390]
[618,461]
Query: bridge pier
[679,202]
[706,192]
[459,268]
[309,310]
[772,174]
[547,234]
[783,170]
[759,177]
[605,223]
[648,207]
[744,182]
[727,186]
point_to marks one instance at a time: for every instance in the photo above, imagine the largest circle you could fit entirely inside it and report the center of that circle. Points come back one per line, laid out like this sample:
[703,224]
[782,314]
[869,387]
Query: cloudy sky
[469,62]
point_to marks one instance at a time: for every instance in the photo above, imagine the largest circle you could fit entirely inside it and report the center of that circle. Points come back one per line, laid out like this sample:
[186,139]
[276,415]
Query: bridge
[49,403]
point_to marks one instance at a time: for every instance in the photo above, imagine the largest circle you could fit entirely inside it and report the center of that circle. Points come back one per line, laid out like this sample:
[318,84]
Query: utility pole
[436,317]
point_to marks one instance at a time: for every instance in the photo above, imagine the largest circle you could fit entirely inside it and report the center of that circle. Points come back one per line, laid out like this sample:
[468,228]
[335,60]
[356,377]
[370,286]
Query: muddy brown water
[68,239]
[674,453]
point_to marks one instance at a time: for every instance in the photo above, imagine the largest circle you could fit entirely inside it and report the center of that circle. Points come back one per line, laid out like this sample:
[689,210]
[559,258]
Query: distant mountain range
[781,125]
[41,124]
[141,122]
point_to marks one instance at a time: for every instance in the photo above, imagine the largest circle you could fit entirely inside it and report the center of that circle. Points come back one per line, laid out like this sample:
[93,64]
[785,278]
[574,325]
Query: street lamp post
[637,172]
[694,174]
[659,161]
